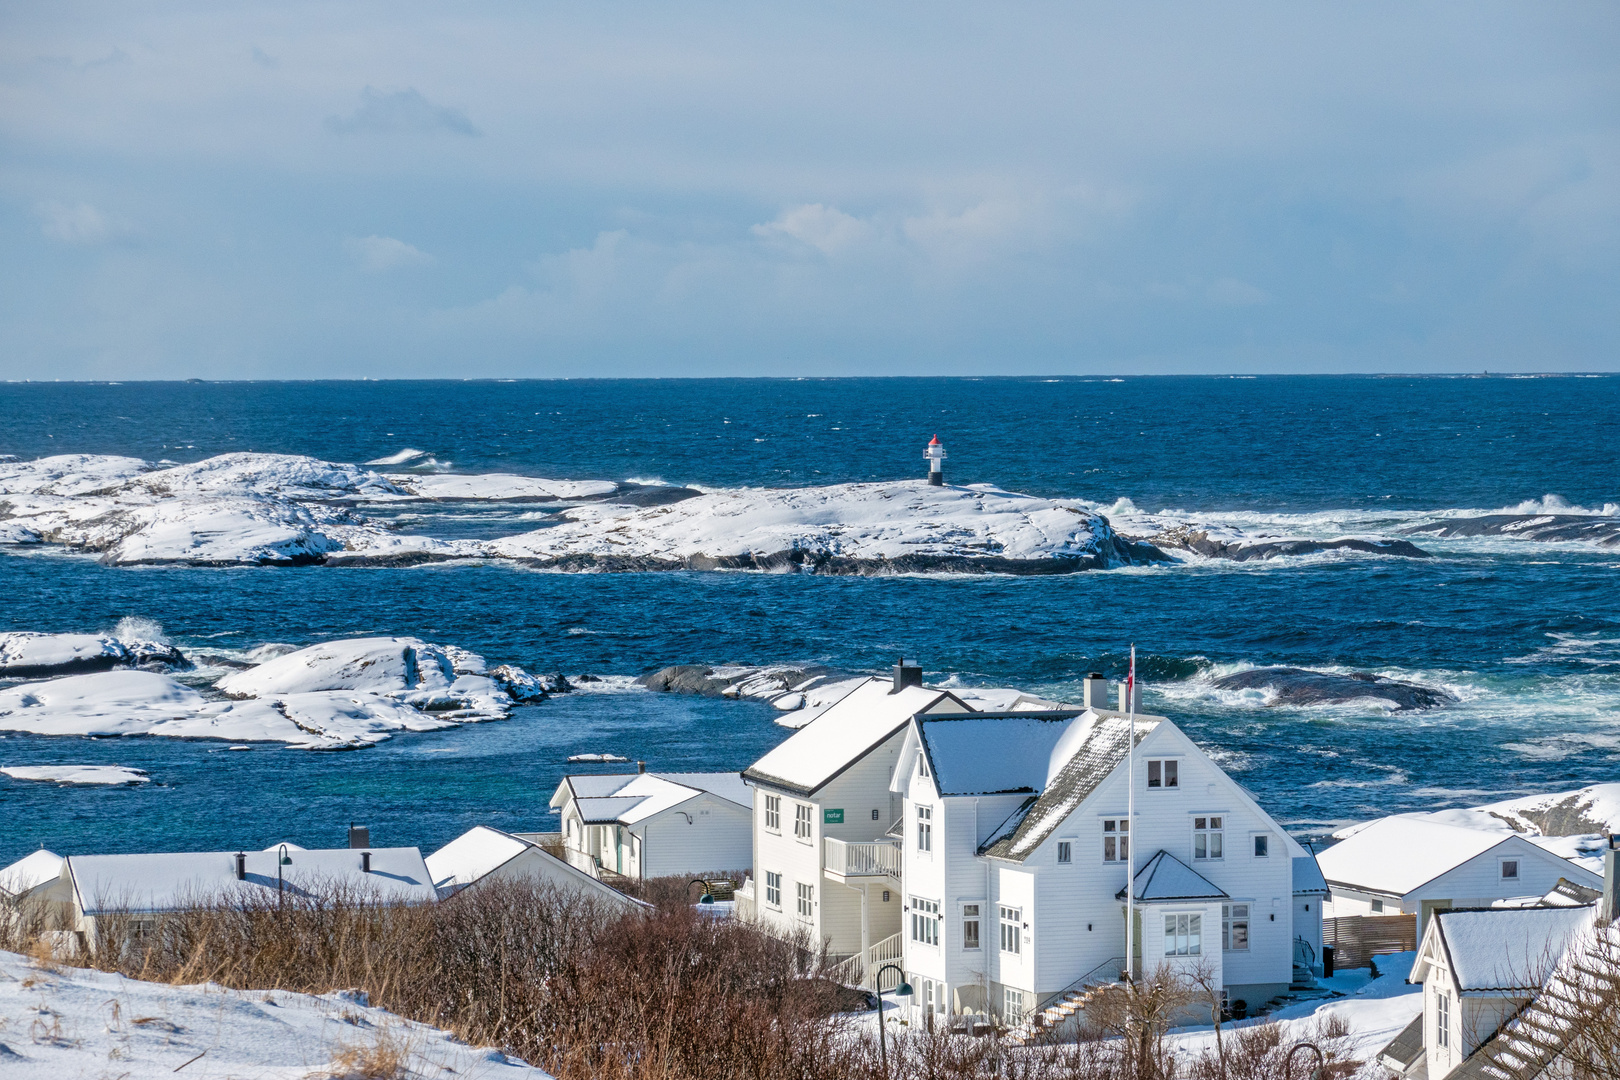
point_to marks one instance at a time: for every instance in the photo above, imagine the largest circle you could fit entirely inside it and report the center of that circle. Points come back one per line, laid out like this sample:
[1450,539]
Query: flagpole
[1130,821]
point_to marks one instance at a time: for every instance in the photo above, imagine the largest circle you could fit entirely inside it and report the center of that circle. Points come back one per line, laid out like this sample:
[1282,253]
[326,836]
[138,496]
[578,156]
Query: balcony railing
[878,858]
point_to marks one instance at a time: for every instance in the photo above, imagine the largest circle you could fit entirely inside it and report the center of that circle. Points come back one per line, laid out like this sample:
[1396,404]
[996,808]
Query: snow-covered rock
[505,486]
[434,678]
[25,654]
[78,774]
[106,703]
[66,1022]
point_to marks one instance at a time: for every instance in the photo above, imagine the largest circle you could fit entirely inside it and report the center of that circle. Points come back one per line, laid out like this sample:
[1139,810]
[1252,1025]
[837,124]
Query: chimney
[1125,703]
[241,866]
[365,862]
[1095,691]
[905,675]
[1609,905]
[641,766]
[359,836]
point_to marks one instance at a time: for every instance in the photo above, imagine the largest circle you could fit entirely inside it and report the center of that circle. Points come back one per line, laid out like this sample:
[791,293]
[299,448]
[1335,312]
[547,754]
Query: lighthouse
[935,454]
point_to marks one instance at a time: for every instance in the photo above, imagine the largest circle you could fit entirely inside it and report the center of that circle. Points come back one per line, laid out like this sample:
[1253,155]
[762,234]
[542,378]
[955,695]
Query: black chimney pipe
[241,866]
[365,862]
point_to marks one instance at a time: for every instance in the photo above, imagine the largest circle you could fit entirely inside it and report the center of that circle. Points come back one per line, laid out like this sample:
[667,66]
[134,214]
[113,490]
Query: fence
[1356,939]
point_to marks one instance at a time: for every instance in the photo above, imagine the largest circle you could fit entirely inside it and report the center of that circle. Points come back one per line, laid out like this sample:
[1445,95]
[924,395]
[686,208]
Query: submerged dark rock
[1302,686]
[1603,531]
[736,680]
[1200,542]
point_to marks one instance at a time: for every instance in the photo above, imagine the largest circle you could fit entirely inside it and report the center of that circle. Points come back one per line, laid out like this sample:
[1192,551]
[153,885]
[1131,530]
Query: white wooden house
[1412,864]
[646,824]
[1016,847]
[482,855]
[34,893]
[826,862]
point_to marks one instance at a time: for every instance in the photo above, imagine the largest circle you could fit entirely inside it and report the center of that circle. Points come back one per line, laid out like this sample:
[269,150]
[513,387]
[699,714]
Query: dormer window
[1163,773]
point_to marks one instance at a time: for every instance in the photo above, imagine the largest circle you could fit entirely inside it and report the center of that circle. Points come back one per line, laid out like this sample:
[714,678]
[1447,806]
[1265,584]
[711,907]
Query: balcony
[846,862]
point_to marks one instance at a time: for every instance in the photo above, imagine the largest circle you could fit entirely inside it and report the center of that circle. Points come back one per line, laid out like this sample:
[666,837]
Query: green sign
[832,817]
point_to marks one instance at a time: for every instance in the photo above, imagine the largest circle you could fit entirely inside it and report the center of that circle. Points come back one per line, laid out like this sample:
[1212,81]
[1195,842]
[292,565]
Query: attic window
[1163,773]
[1510,869]
[922,764]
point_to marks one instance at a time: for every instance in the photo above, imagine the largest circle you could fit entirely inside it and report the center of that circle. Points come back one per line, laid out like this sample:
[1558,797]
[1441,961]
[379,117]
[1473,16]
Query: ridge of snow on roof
[1508,948]
[629,798]
[167,881]
[846,732]
[1397,854]
[1101,750]
[30,871]
[1166,877]
[471,855]
[992,754]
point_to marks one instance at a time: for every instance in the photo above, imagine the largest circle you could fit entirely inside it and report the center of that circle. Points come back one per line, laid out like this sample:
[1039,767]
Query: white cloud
[379,253]
[825,228]
[79,223]
[402,110]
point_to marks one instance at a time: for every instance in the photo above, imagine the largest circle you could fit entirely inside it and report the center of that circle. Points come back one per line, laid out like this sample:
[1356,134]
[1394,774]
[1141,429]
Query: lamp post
[1321,1061]
[903,988]
[707,897]
[282,859]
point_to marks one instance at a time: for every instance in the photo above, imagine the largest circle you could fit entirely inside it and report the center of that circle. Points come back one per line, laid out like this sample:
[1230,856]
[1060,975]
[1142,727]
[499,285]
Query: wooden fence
[1358,938]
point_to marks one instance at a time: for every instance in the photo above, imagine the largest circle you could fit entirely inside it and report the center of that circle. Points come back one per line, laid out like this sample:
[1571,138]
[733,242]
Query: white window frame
[1255,842]
[773,814]
[1184,933]
[773,890]
[805,900]
[925,829]
[1119,830]
[1011,920]
[804,817]
[922,764]
[1518,869]
[1013,1007]
[925,921]
[1375,907]
[1234,916]
[1212,835]
[973,915]
[1164,769]
[1442,1018]
[1065,851]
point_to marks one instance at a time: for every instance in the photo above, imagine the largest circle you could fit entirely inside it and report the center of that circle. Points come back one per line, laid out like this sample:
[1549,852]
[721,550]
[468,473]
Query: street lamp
[707,897]
[1321,1061]
[903,989]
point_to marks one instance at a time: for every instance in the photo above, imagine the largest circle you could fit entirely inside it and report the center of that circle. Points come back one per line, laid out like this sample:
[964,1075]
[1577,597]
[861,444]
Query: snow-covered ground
[78,774]
[59,1022]
[337,695]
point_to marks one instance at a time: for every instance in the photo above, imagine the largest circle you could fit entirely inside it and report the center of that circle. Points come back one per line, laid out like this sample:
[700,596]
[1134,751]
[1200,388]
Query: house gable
[1471,877]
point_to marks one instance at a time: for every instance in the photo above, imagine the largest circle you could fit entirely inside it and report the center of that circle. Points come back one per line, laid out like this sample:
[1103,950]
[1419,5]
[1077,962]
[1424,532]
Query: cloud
[80,224]
[403,110]
[379,253]
[825,228]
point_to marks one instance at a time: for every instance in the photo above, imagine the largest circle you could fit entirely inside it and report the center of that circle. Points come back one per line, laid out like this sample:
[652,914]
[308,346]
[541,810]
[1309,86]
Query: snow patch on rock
[78,774]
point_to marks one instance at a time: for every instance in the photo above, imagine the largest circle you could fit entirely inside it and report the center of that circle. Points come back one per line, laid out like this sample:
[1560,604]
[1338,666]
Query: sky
[404,190]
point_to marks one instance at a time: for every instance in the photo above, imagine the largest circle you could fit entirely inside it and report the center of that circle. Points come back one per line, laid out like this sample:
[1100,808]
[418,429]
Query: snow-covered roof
[471,855]
[989,754]
[612,810]
[1506,948]
[726,785]
[171,880]
[1566,893]
[1395,855]
[1406,1047]
[31,871]
[631,798]
[848,731]
[1095,745]
[1308,877]
[1166,878]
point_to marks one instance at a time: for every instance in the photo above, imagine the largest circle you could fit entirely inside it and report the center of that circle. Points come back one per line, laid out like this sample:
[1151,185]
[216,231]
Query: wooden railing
[1356,939]
[878,858]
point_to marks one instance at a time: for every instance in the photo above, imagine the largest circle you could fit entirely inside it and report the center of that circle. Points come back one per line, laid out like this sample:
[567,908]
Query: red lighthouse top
[934,441]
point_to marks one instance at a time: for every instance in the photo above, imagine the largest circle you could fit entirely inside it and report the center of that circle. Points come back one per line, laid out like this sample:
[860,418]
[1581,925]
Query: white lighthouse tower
[935,454]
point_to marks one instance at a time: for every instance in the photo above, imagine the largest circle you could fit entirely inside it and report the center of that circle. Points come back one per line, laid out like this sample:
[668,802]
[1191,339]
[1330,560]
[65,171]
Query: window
[1116,839]
[925,828]
[970,926]
[773,813]
[801,821]
[1377,907]
[1262,846]
[1206,838]
[925,921]
[1442,1018]
[1012,1005]
[922,764]
[1012,920]
[807,900]
[773,890]
[1510,869]
[1235,927]
[1183,935]
[1065,851]
[1163,774]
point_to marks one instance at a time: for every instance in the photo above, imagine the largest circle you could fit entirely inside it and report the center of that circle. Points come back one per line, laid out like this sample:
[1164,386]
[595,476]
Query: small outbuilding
[645,825]
[483,854]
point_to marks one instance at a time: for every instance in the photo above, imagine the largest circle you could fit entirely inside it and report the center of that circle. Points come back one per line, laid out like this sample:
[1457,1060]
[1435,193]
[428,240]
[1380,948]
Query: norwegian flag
[1130,683]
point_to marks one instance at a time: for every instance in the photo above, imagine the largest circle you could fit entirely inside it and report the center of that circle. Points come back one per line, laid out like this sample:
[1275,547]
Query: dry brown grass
[384,1057]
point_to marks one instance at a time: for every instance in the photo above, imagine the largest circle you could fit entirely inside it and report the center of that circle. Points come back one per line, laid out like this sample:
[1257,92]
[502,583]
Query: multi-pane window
[925,921]
[1442,1018]
[1116,839]
[807,900]
[801,821]
[925,828]
[1065,851]
[1012,1005]
[1164,773]
[773,889]
[970,926]
[773,813]
[1262,846]
[1012,921]
[1235,927]
[1183,935]
[1207,838]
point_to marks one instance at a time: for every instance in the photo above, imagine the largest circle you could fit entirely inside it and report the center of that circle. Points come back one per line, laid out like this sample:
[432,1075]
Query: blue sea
[1526,635]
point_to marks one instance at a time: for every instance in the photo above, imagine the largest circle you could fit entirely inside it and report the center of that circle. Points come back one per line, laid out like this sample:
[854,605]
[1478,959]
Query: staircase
[857,969]
[1069,1001]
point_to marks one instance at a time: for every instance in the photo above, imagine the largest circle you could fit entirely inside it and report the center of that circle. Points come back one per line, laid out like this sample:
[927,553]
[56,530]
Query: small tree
[1139,1013]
